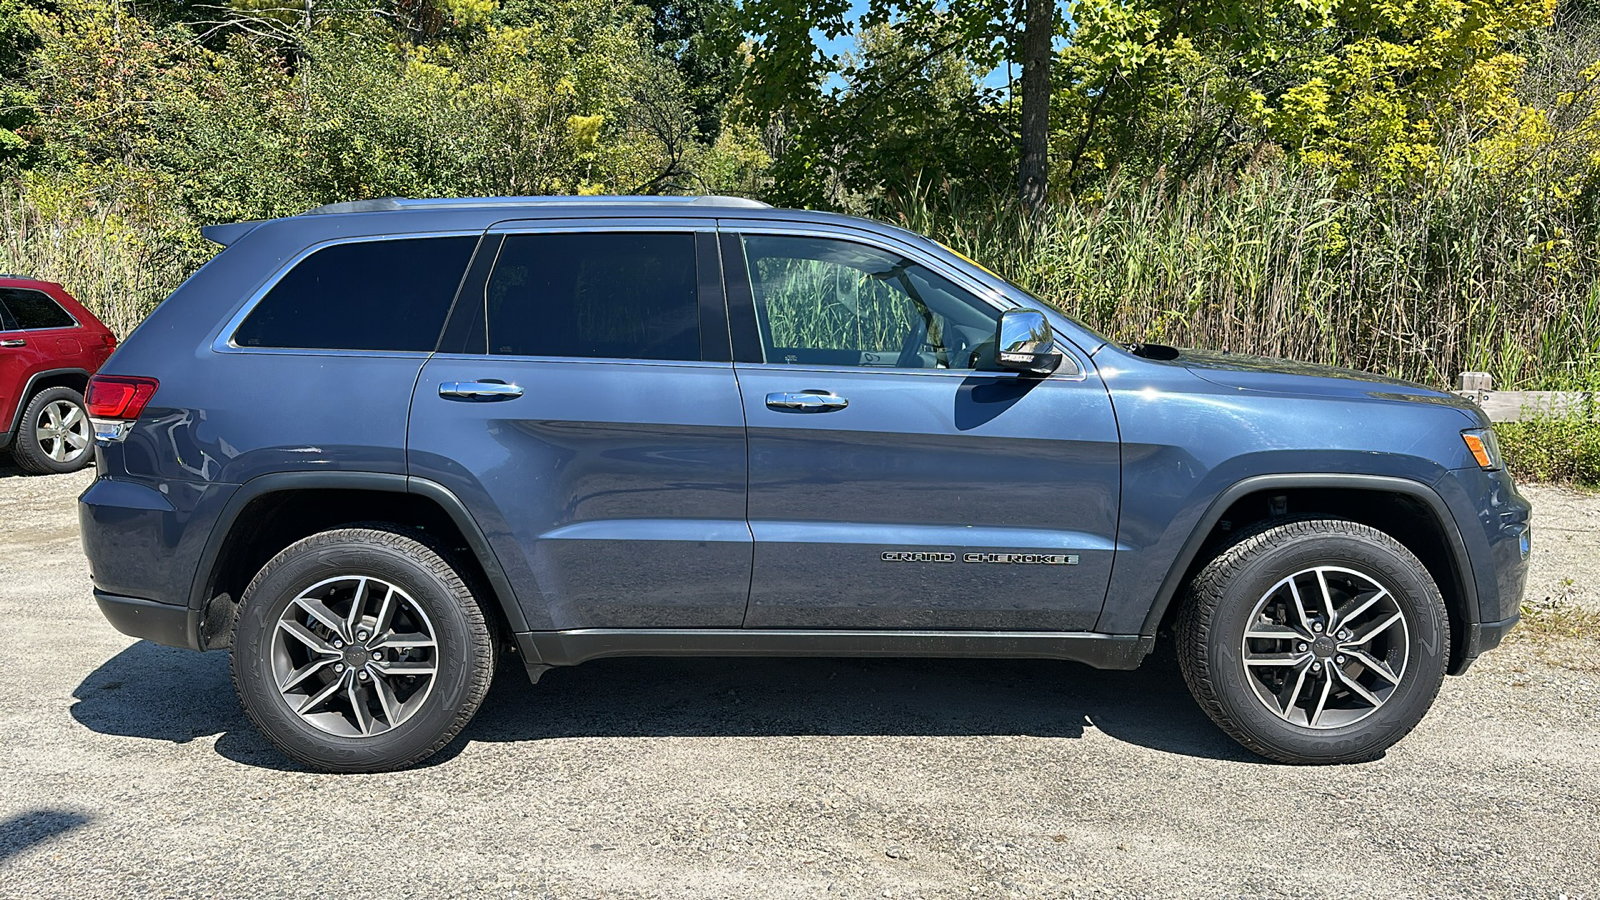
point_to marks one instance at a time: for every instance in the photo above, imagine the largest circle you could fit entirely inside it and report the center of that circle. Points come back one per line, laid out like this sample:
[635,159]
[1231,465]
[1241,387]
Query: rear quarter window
[387,295]
[29,309]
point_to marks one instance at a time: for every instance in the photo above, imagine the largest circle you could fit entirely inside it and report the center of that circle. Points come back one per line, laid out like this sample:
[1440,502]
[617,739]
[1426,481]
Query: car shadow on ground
[164,694]
[26,830]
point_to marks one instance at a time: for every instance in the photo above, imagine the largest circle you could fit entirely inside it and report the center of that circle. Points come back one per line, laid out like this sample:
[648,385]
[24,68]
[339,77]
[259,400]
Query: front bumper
[1495,525]
[1488,635]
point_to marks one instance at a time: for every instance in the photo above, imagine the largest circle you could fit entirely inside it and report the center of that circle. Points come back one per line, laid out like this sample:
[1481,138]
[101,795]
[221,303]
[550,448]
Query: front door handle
[479,390]
[14,342]
[807,401]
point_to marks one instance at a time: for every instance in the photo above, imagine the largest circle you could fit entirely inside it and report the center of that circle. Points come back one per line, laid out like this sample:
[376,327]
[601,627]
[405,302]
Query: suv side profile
[378,447]
[49,346]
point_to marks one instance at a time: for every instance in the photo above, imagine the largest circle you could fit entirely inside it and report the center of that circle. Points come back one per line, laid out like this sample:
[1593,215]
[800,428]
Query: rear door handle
[479,390]
[807,401]
[15,342]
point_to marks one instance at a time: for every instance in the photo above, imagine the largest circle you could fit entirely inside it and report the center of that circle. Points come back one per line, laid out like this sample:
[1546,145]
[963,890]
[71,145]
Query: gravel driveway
[128,769]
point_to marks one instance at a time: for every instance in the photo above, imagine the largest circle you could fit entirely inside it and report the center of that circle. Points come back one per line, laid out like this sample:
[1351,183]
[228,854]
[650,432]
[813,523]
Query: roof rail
[389,204]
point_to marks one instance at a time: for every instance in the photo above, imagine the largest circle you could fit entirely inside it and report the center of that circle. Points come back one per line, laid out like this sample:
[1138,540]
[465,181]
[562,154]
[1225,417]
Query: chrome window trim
[583,360]
[222,341]
[988,295]
[1079,375]
[75,322]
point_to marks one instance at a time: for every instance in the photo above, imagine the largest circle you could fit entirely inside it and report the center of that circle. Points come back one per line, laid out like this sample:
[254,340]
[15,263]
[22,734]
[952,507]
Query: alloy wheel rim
[1326,647]
[62,431]
[354,656]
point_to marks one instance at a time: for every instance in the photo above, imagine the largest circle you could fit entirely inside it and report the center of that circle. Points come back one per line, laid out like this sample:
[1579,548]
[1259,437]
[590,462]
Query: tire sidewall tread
[466,648]
[1223,595]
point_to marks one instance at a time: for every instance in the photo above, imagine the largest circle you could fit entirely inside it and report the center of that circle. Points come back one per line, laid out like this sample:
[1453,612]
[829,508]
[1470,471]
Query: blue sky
[998,78]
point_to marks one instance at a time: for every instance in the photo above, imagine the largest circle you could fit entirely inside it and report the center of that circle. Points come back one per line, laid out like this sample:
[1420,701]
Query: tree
[1366,88]
[785,81]
[1038,32]
[701,38]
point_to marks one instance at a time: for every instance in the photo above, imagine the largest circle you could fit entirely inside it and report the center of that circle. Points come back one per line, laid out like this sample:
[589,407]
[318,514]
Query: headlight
[1483,447]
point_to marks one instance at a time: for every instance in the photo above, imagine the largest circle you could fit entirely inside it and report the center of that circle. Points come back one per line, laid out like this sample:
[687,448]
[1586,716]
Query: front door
[897,480]
[31,327]
[587,413]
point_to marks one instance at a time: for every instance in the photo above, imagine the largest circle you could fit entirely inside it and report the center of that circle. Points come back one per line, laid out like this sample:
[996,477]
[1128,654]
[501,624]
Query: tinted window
[33,309]
[369,295]
[622,295]
[830,302]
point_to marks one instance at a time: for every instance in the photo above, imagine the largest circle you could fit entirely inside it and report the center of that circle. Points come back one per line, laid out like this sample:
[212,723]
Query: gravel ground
[128,769]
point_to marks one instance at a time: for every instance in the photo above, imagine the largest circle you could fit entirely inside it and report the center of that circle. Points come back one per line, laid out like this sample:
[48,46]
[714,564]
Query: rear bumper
[163,623]
[146,539]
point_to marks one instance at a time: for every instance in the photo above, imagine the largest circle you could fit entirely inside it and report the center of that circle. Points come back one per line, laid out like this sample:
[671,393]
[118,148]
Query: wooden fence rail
[1512,406]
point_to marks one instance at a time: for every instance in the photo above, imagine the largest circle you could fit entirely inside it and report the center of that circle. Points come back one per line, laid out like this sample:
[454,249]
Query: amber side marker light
[1484,448]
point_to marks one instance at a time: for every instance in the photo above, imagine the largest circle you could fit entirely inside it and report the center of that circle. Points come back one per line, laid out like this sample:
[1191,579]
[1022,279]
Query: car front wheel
[1314,641]
[360,650]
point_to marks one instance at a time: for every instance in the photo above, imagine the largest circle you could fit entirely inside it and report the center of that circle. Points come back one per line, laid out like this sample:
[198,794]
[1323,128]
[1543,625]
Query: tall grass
[113,247]
[1474,274]
[1494,274]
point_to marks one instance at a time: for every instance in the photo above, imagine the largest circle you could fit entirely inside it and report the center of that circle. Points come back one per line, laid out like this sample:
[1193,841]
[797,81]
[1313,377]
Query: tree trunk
[1033,176]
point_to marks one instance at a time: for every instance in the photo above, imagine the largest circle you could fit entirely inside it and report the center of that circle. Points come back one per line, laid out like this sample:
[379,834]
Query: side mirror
[1025,342]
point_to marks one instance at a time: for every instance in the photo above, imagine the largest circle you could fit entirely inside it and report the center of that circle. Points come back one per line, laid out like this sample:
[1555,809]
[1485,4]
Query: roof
[227,233]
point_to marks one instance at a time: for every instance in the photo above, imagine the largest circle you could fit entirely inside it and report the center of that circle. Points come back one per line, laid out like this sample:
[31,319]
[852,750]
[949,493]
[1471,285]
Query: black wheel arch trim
[201,591]
[27,395]
[1459,559]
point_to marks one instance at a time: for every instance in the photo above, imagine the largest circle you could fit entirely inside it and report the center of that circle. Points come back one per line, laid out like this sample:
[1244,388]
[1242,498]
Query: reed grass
[114,251]
[1473,274]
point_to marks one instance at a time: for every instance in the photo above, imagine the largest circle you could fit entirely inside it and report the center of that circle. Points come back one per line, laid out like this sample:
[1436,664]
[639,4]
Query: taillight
[119,396]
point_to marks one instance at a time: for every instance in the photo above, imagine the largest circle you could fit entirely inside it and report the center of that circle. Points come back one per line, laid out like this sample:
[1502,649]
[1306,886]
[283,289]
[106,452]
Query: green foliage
[1553,448]
[576,104]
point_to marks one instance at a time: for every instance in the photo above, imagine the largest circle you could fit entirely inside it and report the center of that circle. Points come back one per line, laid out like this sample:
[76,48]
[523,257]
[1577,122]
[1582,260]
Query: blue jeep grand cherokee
[379,446]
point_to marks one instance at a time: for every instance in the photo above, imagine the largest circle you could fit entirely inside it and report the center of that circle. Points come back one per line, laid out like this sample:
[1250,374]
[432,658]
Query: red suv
[49,346]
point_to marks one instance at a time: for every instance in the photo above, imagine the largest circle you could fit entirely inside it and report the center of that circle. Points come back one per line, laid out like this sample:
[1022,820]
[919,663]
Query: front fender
[1172,574]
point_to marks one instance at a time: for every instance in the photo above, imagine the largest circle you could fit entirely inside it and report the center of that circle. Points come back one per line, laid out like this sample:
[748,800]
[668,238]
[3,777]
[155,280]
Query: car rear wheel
[1314,641]
[361,650]
[55,435]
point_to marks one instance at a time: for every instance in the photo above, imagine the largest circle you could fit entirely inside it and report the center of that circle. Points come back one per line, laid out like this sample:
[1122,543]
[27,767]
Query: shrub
[1554,448]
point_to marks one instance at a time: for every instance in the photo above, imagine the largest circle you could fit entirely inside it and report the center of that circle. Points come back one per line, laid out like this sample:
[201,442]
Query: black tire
[1223,598]
[464,651]
[31,455]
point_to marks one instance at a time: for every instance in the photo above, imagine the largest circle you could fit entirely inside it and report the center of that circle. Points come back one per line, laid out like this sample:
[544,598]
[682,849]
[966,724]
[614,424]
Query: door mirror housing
[1025,342]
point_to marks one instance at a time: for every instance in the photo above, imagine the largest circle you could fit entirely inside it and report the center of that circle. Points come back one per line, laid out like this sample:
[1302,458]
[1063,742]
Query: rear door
[897,480]
[583,404]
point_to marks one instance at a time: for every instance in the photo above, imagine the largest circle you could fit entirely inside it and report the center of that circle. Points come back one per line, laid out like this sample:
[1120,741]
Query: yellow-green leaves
[1368,89]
